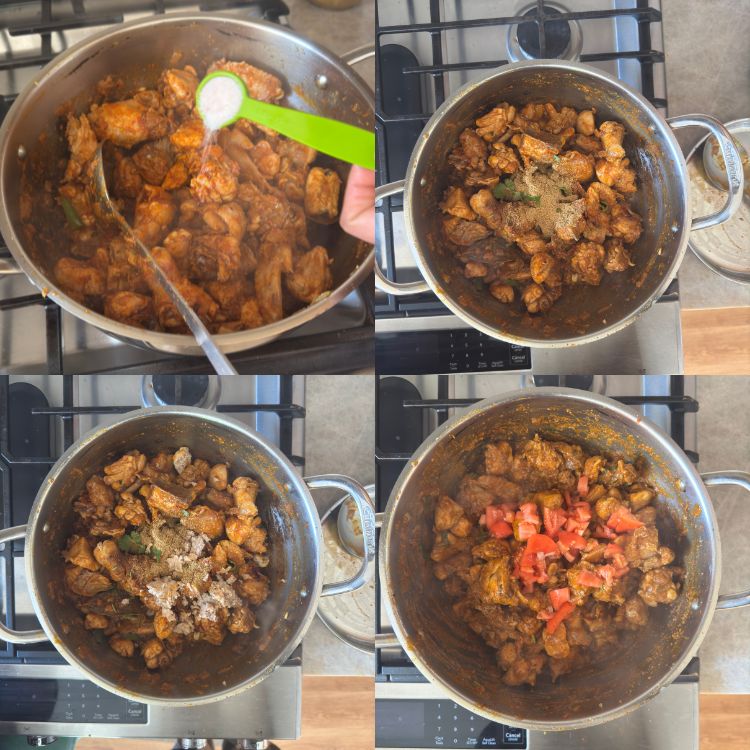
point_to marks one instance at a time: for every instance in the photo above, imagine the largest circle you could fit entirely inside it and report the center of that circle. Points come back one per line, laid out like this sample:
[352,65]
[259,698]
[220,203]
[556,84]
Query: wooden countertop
[338,713]
[716,341]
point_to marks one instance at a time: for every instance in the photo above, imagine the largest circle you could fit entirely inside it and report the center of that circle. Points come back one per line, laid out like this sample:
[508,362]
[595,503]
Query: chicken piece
[109,556]
[253,586]
[495,585]
[154,213]
[250,315]
[612,135]
[502,292]
[475,270]
[311,276]
[82,201]
[470,153]
[225,552]
[617,174]
[658,587]
[458,564]
[211,631]
[99,492]
[621,474]
[82,146]
[93,621]
[588,144]
[167,502]
[260,84]
[178,87]
[492,125]
[577,166]
[85,582]
[322,193]
[190,136]
[456,204]
[241,620]
[633,614]
[537,298]
[503,159]
[488,209]
[215,257]
[163,626]
[79,553]
[642,549]
[122,646]
[130,308]
[126,123]
[533,150]
[239,528]
[256,541]
[498,458]
[267,160]
[217,499]
[130,510]
[204,520]
[524,671]
[464,233]
[618,258]
[556,644]
[153,160]
[585,123]
[226,218]
[447,513]
[181,459]
[625,224]
[79,278]
[122,473]
[128,183]
[216,182]
[544,268]
[155,654]
[586,262]
[640,497]
[275,259]
[557,122]
[531,242]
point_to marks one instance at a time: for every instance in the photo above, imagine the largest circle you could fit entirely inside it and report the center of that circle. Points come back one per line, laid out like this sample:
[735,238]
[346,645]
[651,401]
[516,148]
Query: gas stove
[33,32]
[410,712]
[41,695]
[426,49]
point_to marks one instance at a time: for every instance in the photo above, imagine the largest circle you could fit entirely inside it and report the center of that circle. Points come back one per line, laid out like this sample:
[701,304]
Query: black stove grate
[401,116]
[398,438]
[27,426]
[337,351]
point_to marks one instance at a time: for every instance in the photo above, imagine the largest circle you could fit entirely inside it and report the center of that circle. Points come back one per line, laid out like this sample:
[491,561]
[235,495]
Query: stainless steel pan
[584,313]
[453,657]
[314,80]
[204,673]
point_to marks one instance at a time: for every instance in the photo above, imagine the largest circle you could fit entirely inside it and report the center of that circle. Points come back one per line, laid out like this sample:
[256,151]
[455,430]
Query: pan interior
[450,653]
[201,669]
[137,56]
[661,201]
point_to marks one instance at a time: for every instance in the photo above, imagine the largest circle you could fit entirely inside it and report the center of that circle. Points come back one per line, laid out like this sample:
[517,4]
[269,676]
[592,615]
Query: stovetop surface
[40,417]
[410,711]
[34,31]
[428,49]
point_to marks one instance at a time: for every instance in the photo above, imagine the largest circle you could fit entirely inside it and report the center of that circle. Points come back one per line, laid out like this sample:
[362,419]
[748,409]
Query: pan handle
[367,518]
[8,267]
[381,282]
[359,54]
[6,634]
[732,165]
[389,639]
[736,479]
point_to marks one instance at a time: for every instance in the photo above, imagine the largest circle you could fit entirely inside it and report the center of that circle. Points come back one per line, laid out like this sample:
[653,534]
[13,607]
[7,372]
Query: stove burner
[181,390]
[563,39]
[557,35]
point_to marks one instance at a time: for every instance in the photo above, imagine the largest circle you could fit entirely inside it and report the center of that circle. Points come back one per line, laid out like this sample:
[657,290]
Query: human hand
[358,210]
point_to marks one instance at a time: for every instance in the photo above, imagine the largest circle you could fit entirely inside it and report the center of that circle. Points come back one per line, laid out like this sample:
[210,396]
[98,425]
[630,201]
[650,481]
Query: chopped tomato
[493,514]
[542,543]
[619,562]
[612,549]
[531,568]
[554,519]
[566,609]
[579,517]
[501,529]
[558,597]
[528,512]
[607,572]
[509,511]
[526,530]
[568,498]
[623,520]
[589,578]
[570,543]
[583,485]
[604,532]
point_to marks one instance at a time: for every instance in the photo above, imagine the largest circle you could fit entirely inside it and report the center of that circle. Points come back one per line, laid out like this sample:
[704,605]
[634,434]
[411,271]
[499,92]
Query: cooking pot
[584,313]
[203,673]
[457,660]
[314,80]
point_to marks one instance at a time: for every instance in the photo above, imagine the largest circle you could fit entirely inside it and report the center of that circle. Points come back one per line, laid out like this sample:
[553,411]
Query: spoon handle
[338,139]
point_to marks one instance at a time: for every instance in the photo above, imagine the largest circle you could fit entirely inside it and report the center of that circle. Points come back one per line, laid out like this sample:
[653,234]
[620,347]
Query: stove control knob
[245,744]
[36,740]
[192,743]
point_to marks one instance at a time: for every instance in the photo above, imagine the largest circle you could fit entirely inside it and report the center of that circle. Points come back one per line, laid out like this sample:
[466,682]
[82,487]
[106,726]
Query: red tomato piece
[542,543]
[558,597]
[604,532]
[501,529]
[589,578]
[623,520]
[529,513]
[611,550]
[565,610]
[583,485]
[493,514]
[509,511]
[526,530]
[554,519]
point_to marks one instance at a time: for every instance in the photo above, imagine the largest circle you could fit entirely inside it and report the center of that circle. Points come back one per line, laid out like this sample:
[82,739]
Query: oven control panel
[447,351]
[409,723]
[66,701]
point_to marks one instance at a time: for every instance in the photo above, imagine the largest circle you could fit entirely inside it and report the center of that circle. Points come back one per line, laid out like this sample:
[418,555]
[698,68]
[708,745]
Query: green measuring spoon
[220,104]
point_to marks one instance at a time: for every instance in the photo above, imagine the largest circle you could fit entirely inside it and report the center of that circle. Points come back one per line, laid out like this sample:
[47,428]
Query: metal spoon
[206,342]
